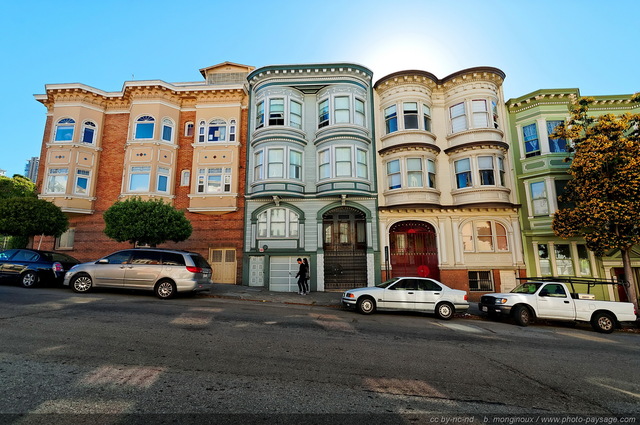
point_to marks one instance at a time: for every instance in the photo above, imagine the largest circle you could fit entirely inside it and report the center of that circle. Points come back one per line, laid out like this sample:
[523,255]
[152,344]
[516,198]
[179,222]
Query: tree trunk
[628,274]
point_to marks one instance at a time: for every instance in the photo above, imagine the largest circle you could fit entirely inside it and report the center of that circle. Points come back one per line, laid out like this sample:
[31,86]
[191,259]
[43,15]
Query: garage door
[282,274]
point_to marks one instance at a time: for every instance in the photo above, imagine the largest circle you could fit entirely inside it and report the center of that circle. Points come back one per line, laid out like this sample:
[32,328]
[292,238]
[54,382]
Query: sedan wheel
[445,311]
[366,305]
[29,279]
[81,283]
[165,289]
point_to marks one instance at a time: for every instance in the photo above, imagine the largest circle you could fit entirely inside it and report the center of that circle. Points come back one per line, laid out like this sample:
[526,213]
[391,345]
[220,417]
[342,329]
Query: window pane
[87,135]
[555,145]
[410,110]
[391,119]
[64,133]
[485,238]
[144,131]
[166,133]
[530,135]
[564,264]
[583,257]
[139,183]
[539,198]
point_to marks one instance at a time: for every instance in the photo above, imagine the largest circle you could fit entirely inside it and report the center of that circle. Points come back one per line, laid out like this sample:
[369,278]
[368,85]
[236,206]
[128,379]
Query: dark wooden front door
[345,248]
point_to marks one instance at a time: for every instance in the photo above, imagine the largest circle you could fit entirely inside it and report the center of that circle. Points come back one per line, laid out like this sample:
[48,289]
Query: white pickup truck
[554,301]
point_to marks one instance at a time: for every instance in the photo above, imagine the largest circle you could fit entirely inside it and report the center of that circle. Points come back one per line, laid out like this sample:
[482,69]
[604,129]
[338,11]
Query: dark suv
[30,267]
[162,271]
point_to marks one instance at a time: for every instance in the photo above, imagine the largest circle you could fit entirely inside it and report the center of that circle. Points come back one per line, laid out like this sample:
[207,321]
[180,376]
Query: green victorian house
[541,173]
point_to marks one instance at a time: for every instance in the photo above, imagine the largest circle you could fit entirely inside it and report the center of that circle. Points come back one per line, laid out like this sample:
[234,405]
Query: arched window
[484,236]
[202,128]
[88,132]
[232,130]
[278,223]
[217,131]
[167,130]
[144,127]
[64,130]
[188,129]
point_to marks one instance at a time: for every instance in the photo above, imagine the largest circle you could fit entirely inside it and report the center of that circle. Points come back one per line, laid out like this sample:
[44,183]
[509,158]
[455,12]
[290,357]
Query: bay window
[217,131]
[343,161]
[487,174]
[480,113]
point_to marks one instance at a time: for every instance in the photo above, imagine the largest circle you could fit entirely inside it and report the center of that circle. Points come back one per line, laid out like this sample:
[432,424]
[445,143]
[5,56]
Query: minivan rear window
[199,261]
[172,259]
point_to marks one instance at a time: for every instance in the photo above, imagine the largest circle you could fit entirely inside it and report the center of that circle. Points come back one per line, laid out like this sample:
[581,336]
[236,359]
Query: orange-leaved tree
[603,197]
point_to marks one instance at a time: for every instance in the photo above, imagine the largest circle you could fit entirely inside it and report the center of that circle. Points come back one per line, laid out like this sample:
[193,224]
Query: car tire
[522,315]
[165,289]
[603,323]
[366,305]
[445,311]
[29,279]
[81,283]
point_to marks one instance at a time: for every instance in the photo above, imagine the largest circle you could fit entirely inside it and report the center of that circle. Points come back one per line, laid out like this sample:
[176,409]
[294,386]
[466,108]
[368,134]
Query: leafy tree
[17,186]
[145,222]
[604,194]
[26,217]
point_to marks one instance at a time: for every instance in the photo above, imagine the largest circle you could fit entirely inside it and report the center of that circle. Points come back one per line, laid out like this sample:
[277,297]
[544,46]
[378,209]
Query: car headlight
[349,295]
[501,300]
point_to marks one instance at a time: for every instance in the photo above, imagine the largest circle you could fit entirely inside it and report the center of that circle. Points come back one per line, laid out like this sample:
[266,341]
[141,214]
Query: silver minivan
[163,271]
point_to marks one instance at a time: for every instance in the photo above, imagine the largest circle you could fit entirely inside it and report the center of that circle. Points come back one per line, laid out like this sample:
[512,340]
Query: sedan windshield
[387,283]
[527,288]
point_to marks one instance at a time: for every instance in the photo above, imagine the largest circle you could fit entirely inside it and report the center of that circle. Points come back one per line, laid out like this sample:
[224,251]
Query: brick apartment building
[183,143]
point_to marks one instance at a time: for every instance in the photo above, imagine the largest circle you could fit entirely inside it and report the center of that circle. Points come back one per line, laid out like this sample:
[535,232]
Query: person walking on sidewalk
[307,277]
[302,277]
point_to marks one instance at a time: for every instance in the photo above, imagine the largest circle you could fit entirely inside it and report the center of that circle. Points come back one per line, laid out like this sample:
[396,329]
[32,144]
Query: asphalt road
[122,357]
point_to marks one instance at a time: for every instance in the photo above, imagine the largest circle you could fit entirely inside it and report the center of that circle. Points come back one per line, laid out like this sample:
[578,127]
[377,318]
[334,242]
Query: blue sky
[591,45]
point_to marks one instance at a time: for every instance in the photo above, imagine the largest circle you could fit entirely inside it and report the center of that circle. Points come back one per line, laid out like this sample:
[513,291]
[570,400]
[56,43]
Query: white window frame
[85,175]
[185,178]
[265,224]
[144,120]
[324,113]
[204,178]
[295,114]
[55,174]
[163,172]
[473,241]
[93,128]
[263,163]
[276,115]
[543,198]
[233,126]
[65,241]
[189,129]
[139,170]
[202,131]
[64,126]
[333,163]
[167,124]
[458,117]
[221,125]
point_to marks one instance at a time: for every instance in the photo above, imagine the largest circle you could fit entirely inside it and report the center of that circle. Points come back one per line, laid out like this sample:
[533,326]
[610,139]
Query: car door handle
[410,293]
[566,302]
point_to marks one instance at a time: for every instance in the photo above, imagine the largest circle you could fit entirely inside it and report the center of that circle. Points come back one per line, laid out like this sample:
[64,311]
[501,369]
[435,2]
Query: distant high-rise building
[31,169]
[3,172]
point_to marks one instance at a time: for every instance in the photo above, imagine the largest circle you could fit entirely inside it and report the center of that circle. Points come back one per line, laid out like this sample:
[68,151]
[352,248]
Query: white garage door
[282,274]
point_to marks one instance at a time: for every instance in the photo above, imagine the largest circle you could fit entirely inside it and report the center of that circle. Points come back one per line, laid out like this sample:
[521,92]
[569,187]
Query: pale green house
[540,169]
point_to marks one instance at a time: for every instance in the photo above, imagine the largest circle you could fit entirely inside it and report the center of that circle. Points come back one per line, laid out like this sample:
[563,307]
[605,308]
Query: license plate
[485,308]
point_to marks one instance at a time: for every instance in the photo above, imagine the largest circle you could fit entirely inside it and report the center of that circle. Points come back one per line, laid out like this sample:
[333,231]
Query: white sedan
[408,293]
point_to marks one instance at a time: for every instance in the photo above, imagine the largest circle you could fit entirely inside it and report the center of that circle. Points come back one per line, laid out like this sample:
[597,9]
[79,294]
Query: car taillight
[465,297]
[57,267]
[194,269]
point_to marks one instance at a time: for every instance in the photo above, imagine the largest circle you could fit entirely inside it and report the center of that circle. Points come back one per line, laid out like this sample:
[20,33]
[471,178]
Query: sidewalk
[261,294]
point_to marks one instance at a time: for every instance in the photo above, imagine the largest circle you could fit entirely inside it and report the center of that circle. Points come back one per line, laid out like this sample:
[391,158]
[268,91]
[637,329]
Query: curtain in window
[555,145]
[530,138]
